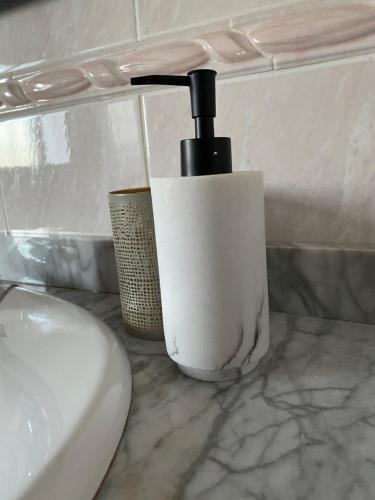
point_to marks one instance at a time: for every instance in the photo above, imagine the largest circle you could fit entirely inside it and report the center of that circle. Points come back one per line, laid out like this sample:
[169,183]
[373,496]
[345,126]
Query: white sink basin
[65,388]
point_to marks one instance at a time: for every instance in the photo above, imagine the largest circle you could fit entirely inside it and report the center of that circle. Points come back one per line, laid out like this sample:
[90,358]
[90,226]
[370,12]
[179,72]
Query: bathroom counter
[302,425]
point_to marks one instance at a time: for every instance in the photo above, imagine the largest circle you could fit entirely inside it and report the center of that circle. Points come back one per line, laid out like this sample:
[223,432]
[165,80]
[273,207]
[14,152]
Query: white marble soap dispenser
[210,238]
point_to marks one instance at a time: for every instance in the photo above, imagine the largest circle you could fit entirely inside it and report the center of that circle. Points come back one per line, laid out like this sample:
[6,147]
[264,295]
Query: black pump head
[206,154]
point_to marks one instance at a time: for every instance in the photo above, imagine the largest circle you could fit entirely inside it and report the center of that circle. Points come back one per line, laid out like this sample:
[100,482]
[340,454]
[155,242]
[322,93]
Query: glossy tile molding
[266,41]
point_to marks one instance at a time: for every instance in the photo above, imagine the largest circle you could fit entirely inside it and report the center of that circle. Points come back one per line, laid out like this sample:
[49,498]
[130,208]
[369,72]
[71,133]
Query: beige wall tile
[47,30]
[311,131]
[57,168]
[164,15]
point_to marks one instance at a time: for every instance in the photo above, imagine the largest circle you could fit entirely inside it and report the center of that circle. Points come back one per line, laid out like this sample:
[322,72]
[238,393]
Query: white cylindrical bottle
[210,242]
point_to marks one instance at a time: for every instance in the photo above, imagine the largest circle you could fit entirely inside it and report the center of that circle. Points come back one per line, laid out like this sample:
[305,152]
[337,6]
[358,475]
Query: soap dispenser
[210,240]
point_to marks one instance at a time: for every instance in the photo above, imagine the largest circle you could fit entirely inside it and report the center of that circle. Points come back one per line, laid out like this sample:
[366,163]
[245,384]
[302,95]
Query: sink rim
[89,420]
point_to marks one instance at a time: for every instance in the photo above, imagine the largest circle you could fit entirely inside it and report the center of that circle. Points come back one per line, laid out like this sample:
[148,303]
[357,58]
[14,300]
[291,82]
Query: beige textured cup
[136,259]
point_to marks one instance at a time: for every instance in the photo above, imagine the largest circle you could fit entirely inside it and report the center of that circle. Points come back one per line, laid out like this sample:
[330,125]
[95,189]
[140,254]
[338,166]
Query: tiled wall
[39,30]
[310,129]
[56,168]
[163,15]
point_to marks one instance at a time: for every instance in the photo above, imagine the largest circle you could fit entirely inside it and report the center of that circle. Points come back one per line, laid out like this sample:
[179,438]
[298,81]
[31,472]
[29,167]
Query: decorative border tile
[321,281]
[273,39]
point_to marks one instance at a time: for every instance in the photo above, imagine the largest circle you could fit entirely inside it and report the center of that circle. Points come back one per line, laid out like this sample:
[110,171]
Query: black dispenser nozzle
[206,154]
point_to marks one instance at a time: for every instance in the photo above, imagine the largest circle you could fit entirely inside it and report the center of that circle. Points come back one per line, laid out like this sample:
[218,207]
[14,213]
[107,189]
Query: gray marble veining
[4,289]
[324,281]
[302,425]
[74,261]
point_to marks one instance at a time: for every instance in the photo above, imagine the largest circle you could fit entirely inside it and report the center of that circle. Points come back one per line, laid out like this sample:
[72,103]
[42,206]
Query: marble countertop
[301,426]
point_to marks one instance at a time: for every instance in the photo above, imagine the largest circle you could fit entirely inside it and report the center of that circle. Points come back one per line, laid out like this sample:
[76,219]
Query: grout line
[146,150]
[4,210]
[273,63]
[268,57]
[136,19]
[121,94]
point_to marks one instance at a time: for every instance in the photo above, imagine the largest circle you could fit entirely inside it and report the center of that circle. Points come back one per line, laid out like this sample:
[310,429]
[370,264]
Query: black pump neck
[203,102]
[206,154]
